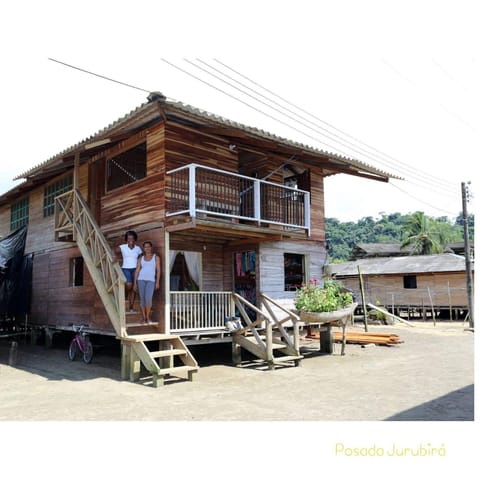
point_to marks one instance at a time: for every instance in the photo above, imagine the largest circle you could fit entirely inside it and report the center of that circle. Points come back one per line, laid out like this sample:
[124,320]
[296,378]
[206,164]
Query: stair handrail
[63,220]
[251,326]
[266,300]
[104,267]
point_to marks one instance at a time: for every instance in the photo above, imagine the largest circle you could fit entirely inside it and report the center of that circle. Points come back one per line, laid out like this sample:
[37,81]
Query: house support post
[269,344]
[126,352]
[48,337]
[326,340]
[130,363]
[236,353]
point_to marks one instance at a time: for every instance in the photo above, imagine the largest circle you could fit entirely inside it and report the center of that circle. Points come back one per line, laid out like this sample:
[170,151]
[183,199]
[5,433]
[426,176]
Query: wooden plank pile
[363,338]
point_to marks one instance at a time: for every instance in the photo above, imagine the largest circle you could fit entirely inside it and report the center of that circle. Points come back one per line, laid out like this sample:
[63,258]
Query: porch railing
[198,191]
[200,310]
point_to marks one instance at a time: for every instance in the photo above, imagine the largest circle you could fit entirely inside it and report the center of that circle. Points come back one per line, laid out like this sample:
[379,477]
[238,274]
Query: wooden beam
[76,172]
[386,312]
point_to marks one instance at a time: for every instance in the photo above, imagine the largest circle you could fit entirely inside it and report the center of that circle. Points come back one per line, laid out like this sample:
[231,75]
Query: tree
[423,235]
[389,228]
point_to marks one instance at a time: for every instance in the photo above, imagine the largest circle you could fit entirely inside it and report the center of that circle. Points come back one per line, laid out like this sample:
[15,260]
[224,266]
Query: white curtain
[173,256]
[193,261]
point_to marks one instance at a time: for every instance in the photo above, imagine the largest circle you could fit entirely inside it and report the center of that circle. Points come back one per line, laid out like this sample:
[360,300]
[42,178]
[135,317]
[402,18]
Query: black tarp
[15,274]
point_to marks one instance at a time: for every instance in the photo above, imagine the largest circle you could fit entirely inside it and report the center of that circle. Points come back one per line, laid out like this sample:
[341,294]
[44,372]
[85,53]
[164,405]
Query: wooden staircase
[266,337]
[74,222]
[157,352]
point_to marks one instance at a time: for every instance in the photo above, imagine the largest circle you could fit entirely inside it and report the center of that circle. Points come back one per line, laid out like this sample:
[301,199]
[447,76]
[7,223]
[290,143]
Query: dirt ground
[428,377]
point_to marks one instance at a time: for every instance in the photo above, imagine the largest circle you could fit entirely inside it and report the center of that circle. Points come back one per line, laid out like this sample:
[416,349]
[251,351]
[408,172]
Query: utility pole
[468,265]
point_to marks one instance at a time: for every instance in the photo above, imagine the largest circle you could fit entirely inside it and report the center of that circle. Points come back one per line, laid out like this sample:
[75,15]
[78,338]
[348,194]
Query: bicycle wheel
[88,353]
[72,350]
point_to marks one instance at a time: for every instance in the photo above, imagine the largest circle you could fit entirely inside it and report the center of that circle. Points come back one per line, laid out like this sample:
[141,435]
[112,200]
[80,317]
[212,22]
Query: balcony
[201,192]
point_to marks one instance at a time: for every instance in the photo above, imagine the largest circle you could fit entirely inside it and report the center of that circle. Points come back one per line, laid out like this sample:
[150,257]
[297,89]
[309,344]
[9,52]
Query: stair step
[175,370]
[148,337]
[141,324]
[168,353]
[287,358]
[275,346]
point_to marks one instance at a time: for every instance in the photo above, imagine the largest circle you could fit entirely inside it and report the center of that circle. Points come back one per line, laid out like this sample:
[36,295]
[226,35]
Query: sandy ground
[429,377]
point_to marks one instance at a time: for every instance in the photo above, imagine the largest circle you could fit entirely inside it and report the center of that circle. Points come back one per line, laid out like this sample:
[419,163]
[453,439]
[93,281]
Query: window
[294,270]
[61,186]
[410,281]
[76,272]
[127,167]
[19,214]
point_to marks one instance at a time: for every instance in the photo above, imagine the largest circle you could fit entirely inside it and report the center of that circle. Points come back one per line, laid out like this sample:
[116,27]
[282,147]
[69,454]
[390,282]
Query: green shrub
[311,297]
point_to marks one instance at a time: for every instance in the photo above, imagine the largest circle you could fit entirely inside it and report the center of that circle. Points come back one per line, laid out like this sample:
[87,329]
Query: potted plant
[321,304]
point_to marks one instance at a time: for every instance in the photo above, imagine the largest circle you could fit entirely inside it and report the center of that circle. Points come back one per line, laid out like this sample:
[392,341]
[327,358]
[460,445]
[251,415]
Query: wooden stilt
[236,353]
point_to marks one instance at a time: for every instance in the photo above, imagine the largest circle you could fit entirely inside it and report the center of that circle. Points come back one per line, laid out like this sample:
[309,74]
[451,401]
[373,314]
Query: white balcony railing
[198,191]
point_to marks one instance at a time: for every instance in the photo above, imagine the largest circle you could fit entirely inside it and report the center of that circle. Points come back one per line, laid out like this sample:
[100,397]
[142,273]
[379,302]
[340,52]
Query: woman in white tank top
[147,279]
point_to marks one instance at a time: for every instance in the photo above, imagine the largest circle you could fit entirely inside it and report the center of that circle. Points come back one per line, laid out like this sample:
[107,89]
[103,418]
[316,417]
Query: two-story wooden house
[230,209]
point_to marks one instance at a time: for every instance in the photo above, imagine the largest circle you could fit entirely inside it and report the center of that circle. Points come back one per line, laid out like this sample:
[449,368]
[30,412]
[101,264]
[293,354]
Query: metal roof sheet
[442,262]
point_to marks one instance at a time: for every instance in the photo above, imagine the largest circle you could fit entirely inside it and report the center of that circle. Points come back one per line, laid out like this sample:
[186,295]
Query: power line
[425,180]
[422,201]
[340,139]
[419,172]
[251,106]
[99,76]
[272,117]
[273,108]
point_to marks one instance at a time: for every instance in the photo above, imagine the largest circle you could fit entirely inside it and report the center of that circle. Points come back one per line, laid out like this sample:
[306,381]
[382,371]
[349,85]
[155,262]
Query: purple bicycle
[80,343]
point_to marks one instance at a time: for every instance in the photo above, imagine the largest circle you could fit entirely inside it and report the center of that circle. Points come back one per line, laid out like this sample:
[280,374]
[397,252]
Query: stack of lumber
[363,338]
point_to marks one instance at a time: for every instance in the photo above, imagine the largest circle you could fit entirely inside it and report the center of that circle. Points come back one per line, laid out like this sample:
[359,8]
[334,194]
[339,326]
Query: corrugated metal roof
[141,114]
[383,248]
[153,111]
[443,262]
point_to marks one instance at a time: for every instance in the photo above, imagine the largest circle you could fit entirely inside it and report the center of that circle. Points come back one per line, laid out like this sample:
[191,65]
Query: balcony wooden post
[166,280]
[256,200]
[191,190]
[306,200]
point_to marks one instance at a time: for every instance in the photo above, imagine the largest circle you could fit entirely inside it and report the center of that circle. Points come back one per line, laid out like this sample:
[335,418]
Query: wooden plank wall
[55,302]
[381,288]
[271,265]
[214,267]
[142,202]
[184,145]
[317,205]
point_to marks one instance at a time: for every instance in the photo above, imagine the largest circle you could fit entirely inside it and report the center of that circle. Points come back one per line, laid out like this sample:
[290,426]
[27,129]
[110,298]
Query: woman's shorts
[129,274]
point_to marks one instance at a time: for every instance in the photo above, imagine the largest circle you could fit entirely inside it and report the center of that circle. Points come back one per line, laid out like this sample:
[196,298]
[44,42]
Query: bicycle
[80,343]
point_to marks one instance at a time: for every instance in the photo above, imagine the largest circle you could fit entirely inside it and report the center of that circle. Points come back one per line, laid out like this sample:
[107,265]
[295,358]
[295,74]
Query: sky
[400,77]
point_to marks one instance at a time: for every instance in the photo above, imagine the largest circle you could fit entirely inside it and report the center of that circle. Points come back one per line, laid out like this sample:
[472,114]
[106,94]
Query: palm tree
[423,235]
